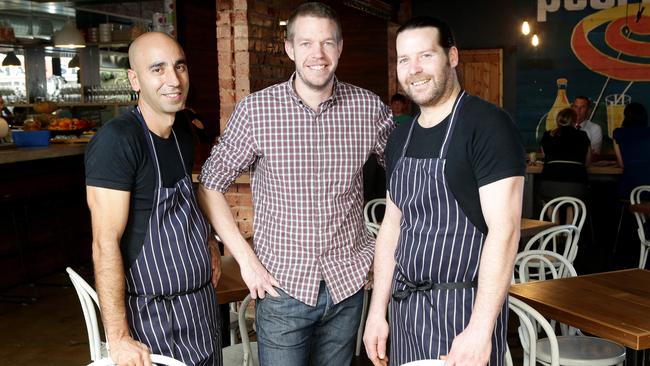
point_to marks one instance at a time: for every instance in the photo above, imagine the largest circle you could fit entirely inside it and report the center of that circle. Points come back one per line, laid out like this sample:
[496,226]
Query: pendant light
[69,36]
[11,60]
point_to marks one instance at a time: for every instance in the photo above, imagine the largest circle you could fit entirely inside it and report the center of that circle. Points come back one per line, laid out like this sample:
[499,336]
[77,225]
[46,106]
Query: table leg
[637,357]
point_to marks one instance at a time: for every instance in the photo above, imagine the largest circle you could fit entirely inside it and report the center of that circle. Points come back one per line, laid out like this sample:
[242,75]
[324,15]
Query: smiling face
[425,70]
[159,74]
[315,49]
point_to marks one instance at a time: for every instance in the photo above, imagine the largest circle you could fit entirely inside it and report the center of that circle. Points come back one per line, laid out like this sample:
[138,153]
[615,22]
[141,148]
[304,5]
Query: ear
[133,79]
[453,56]
[340,47]
[288,48]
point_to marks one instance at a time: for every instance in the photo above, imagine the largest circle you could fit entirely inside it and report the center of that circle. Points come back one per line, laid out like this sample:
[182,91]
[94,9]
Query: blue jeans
[291,333]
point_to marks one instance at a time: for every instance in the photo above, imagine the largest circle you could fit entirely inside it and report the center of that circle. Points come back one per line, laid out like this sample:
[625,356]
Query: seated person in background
[566,154]
[582,106]
[632,147]
[400,106]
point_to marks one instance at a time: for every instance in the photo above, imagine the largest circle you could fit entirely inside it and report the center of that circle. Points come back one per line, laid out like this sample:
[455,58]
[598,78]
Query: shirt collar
[291,90]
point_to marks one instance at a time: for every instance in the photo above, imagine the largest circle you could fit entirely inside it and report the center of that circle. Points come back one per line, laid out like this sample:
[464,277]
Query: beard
[440,87]
[318,86]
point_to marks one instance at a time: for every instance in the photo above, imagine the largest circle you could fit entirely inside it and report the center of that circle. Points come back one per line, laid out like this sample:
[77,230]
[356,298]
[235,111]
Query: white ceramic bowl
[425,363]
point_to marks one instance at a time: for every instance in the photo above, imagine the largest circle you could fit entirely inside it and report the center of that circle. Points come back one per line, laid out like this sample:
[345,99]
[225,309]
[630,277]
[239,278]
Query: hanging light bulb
[525,28]
[11,60]
[74,62]
[69,36]
[535,40]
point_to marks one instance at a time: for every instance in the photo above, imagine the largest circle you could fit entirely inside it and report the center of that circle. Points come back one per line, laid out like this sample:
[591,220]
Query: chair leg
[362,324]
[618,229]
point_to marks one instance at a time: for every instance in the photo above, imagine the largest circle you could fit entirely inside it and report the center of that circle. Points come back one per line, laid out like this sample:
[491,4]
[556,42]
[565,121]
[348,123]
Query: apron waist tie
[430,285]
[160,298]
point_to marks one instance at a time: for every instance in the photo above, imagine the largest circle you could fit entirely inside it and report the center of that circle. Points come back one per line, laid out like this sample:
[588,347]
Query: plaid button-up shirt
[307,183]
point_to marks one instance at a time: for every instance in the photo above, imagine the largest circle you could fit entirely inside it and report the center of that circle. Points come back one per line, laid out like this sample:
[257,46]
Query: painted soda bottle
[560,103]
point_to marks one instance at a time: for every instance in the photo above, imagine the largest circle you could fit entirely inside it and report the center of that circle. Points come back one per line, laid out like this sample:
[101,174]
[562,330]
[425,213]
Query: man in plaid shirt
[305,142]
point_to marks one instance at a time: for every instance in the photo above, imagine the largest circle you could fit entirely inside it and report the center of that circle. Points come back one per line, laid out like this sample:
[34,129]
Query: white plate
[425,363]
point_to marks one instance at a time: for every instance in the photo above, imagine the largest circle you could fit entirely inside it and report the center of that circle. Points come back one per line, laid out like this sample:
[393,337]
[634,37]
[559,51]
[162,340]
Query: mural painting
[599,49]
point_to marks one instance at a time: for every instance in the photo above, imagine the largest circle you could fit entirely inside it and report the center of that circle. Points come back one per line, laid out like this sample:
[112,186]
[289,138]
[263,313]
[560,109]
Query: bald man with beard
[155,272]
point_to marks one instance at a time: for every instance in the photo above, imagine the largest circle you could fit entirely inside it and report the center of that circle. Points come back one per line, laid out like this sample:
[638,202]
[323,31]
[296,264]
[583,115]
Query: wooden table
[610,305]
[530,227]
[643,207]
[231,286]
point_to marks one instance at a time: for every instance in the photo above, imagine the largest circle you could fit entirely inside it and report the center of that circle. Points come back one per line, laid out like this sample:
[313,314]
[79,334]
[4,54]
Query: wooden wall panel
[480,73]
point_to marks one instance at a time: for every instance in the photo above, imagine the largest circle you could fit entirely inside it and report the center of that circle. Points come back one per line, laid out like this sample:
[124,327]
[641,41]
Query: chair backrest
[370,210]
[155,359]
[373,228]
[559,239]
[557,205]
[88,299]
[529,319]
[641,219]
[542,264]
[243,331]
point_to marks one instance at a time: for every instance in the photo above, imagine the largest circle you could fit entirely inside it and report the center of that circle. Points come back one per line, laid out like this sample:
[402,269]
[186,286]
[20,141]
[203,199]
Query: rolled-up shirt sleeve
[233,154]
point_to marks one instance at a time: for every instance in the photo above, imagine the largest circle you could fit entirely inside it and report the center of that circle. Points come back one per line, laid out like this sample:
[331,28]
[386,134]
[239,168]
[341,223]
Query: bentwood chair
[570,207]
[370,210]
[88,299]
[560,350]
[244,353]
[559,239]
[643,224]
[542,265]
[156,359]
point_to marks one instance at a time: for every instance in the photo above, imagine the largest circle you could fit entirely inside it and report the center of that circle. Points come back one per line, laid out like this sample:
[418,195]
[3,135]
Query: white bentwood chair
[642,222]
[155,359]
[370,210]
[88,299]
[559,239]
[560,350]
[244,353]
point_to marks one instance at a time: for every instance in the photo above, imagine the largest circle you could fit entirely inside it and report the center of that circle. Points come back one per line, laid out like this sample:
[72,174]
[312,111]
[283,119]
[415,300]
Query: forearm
[110,283]
[495,273]
[384,267]
[216,209]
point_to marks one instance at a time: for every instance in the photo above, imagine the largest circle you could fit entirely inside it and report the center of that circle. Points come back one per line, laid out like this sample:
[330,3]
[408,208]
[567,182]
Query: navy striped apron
[171,303]
[437,260]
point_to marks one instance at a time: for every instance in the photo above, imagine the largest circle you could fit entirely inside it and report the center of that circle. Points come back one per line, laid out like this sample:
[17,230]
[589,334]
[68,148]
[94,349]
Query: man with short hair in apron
[154,271]
[445,251]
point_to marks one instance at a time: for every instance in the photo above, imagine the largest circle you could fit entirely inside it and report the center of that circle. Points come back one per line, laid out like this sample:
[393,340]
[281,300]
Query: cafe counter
[44,220]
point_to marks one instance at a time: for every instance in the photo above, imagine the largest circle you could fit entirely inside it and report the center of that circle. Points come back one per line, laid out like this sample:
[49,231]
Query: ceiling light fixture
[535,40]
[525,28]
[69,36]
[11,60]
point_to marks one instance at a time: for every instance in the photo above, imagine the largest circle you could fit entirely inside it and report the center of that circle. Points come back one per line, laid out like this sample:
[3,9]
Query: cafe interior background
[235,47]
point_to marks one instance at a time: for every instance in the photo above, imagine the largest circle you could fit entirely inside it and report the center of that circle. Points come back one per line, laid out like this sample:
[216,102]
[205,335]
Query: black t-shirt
[569,144]
[485,147]
[118,158]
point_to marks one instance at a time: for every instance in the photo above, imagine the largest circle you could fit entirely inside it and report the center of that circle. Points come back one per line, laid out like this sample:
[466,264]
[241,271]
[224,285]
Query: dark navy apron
[437,260]
[171,303]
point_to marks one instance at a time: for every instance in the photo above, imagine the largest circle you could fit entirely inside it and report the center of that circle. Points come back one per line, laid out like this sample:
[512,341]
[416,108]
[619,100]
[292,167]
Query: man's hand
[215,261]
[375,337]
[257,278]
[470,347]
[128,351]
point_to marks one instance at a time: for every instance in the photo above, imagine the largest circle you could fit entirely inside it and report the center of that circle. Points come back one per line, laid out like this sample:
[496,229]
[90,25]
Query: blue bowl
[31,138]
